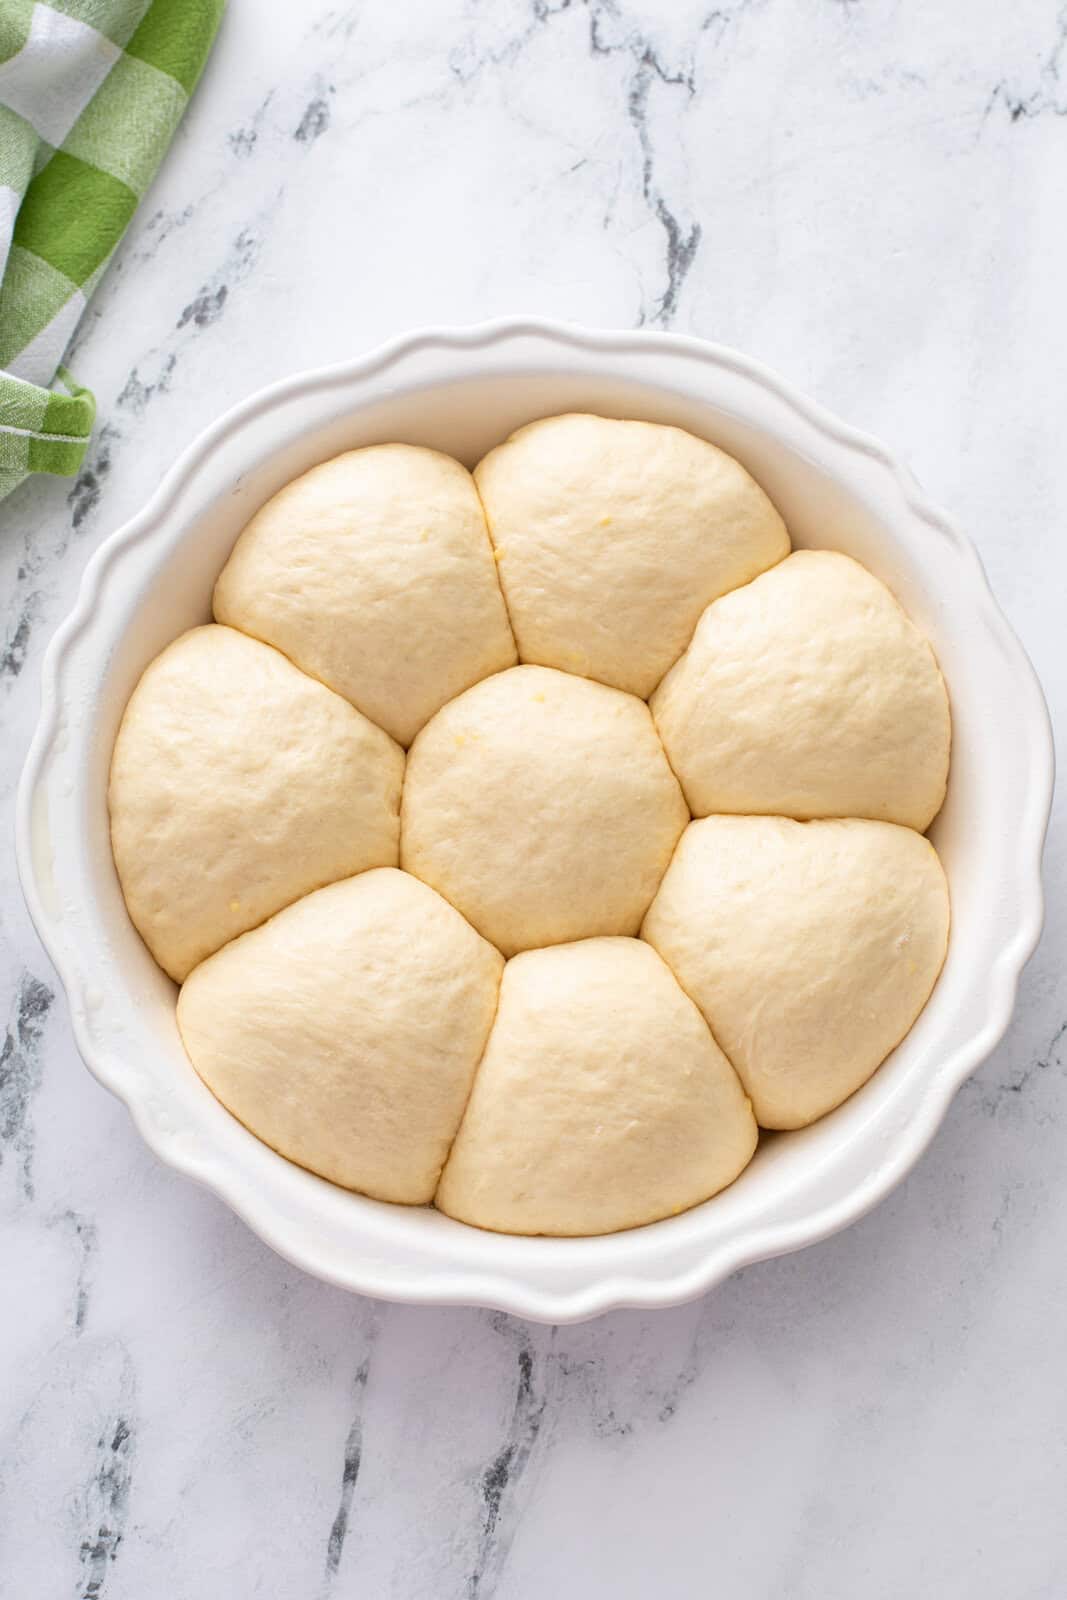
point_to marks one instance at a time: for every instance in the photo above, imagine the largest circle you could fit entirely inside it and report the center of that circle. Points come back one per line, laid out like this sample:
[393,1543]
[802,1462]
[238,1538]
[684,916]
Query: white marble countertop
[869,196]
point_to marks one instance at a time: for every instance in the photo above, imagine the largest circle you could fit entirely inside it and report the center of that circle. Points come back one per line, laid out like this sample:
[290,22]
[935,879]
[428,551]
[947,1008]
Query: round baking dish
[461,391]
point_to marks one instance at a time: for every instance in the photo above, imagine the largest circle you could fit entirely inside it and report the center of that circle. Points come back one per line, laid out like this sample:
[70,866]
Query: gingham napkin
[91,92]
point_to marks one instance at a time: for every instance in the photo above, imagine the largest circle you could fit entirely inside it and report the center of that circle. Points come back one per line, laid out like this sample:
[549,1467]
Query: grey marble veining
[867,195]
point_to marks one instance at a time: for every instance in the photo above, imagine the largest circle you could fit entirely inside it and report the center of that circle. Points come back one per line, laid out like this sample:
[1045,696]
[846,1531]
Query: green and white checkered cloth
[91,92]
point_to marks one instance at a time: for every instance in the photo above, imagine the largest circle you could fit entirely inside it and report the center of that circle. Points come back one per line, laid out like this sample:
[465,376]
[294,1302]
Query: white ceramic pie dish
[461,391]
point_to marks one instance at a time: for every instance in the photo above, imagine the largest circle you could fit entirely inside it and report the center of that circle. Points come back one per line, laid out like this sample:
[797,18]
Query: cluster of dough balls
[525,841]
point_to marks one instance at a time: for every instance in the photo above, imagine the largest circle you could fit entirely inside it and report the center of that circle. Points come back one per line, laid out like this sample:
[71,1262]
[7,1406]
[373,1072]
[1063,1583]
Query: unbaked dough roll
[810,947]
[612,537]
[237,784]
[808,694]
[542,806]
[345,1031]
[375,573]
[602,1101]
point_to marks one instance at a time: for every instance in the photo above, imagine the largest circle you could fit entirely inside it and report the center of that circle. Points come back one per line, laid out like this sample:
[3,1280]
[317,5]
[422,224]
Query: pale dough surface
[238,784]
[612,537]
[345,1031]
[809,947]
[602,1101]
[808,693]
[542,806]
[374,572]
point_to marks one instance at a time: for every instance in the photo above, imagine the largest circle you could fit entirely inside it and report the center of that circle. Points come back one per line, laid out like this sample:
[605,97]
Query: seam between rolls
[313,677]
[734,588]
[474,1078]
[495,559]
[727,1057]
